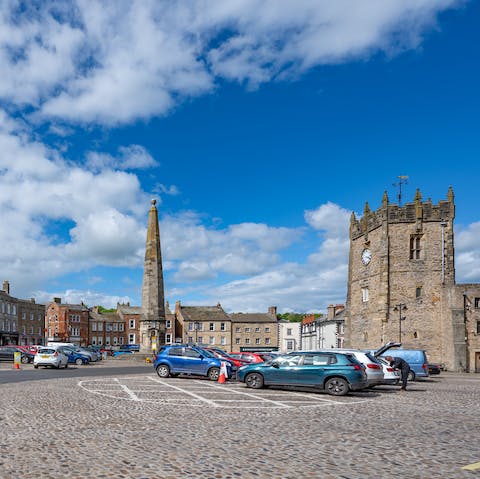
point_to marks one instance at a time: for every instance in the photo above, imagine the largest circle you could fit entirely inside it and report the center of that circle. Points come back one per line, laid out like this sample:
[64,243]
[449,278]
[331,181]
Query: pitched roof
[253,318]
[204,313]
[129,309]
[105,316]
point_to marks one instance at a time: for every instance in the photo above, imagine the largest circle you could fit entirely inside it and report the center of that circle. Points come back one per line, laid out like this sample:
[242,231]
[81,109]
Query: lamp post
[400,307]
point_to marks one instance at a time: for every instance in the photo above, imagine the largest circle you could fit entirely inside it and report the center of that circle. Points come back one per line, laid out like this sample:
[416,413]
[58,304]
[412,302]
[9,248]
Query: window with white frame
[247,341]
[115,327]
[223,340]
[212,340]
[131,324]
[168,323]
[99,341]
[289,331]
[211,327]
[223,327]
[100,327]
[107,340]
[115,340]
[200,340]
[121,340]
[131,338]
[290,345]
[267,340]
[121,327]
[168,339]
[24,315]
[257,340]
[238,329]
[247,330]
[94,326]
[267,329]
[257,330]
[237,340]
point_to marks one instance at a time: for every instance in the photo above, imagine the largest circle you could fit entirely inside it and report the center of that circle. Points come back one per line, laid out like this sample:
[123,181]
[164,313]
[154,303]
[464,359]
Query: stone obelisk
[152,323]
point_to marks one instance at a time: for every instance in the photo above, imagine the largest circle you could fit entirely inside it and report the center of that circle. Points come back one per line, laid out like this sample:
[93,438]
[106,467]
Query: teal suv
[335,373]
[179,359]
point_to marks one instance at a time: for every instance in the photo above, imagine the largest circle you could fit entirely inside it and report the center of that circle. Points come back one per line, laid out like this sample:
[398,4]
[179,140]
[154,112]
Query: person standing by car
[403,366]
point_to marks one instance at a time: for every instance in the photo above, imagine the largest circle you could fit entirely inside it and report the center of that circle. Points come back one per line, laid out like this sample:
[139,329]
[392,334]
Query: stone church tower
[401,281]
[152,322]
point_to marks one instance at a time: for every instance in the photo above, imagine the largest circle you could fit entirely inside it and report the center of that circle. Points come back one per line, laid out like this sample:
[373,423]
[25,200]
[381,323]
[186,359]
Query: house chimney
[272,311]
[330,312]
[6,287]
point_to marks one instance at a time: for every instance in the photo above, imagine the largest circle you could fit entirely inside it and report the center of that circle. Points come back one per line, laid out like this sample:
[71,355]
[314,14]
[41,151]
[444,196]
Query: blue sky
[259,129]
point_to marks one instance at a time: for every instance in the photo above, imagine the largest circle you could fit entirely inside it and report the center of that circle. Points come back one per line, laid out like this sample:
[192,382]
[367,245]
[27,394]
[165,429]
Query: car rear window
[46,351]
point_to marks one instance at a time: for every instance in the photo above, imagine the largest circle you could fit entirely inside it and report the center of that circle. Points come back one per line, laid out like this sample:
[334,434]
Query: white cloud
[203,252]
[132,157]
[119,61]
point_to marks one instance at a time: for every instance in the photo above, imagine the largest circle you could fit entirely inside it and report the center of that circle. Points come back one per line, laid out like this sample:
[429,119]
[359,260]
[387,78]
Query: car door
[313,368]
[6,353]
[283,371]
[195,362]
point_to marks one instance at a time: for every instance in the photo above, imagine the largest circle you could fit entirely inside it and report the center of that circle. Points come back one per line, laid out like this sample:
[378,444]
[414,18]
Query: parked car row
[336,371]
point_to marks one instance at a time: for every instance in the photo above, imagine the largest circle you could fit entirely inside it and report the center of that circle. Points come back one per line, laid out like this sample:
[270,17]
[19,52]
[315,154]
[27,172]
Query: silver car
[373,368]
[52,357]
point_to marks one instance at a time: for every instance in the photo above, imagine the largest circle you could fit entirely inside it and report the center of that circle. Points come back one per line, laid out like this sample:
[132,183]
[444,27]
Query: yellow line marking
[472,467]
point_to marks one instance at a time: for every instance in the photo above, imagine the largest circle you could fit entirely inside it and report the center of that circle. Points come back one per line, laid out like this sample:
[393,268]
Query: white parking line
[258,398]
[185,391]
[132,395]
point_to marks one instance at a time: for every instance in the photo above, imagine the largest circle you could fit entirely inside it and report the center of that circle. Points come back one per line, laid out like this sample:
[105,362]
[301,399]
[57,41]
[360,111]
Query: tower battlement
[418,211]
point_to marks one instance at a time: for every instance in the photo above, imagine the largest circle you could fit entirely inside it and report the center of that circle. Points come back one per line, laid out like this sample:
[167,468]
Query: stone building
[106,329]
[22,321]
[67,323]
[255,331]
[31,322]
[204,325]
[401,283]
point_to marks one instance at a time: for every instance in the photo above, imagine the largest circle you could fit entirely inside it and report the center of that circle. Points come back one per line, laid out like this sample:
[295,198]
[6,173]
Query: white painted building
[288,336]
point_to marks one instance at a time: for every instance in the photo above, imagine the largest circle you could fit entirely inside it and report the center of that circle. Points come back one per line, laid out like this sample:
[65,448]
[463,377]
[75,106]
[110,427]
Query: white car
[390,375]
[50,357]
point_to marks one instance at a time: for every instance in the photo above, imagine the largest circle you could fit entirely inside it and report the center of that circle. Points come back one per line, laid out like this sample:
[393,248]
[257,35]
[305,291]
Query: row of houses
[26,322]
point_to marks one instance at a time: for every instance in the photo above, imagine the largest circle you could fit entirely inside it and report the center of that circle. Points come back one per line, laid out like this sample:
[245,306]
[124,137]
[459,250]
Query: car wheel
[254,381]
[66,365]
[411,376]
[24,360]
[78,362]
[35,366]
[337,387]
[213,374]
[163,370]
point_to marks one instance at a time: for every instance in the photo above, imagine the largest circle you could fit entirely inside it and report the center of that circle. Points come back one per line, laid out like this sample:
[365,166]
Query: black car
[433,369]
[7,354]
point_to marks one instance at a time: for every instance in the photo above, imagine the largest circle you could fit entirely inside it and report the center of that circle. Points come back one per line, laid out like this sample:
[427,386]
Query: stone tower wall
[425,285]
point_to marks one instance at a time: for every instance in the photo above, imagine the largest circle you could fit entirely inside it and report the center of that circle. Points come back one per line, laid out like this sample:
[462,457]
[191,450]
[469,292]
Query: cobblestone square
[141,426]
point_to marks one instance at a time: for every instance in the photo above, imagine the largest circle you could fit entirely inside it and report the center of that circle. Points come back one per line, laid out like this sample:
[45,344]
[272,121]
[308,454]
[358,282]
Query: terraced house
[22,321]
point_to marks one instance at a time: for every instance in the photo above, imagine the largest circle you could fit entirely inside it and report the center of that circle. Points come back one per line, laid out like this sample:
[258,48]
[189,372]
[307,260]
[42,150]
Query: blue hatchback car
[335,373]
[176,359]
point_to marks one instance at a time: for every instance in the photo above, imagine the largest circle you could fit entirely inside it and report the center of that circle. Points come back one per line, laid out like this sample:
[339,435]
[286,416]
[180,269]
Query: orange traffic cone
[16,366]
[223,373]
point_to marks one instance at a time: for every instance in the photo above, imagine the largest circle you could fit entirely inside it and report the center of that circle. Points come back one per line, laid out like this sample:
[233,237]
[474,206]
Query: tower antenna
[402,180]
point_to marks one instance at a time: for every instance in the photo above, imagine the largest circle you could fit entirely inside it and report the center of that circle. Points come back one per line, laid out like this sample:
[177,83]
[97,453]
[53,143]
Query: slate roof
[204,313]
[253,318]
[105,316]
[130,309]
